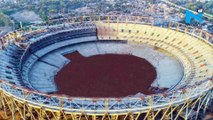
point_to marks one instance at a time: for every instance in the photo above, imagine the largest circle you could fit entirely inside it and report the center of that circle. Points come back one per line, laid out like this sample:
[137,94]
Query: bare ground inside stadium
[106,75]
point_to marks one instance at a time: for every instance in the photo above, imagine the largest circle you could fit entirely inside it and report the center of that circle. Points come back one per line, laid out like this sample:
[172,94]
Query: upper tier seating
[194,53]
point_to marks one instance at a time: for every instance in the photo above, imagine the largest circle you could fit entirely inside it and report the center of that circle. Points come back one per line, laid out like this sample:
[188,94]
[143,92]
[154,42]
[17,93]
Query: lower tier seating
[9,65]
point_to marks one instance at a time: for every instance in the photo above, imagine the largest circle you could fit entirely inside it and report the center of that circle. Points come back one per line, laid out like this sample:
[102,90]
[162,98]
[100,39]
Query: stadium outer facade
[186,100]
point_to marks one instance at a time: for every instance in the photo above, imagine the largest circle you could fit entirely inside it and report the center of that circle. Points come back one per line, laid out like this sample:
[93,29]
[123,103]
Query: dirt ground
[107,75]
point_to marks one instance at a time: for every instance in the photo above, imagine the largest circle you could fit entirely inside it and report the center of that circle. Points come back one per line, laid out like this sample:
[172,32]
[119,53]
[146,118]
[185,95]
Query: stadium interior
[182,61]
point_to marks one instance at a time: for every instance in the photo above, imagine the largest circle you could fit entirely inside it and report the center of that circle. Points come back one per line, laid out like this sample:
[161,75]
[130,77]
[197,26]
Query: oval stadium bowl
[34,56]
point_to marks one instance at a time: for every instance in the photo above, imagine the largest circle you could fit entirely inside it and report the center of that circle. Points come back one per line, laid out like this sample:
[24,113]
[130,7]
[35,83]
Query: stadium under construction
[40,70]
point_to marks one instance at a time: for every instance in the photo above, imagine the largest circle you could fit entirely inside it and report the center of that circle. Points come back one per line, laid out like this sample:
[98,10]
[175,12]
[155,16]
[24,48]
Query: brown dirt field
[106,75]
